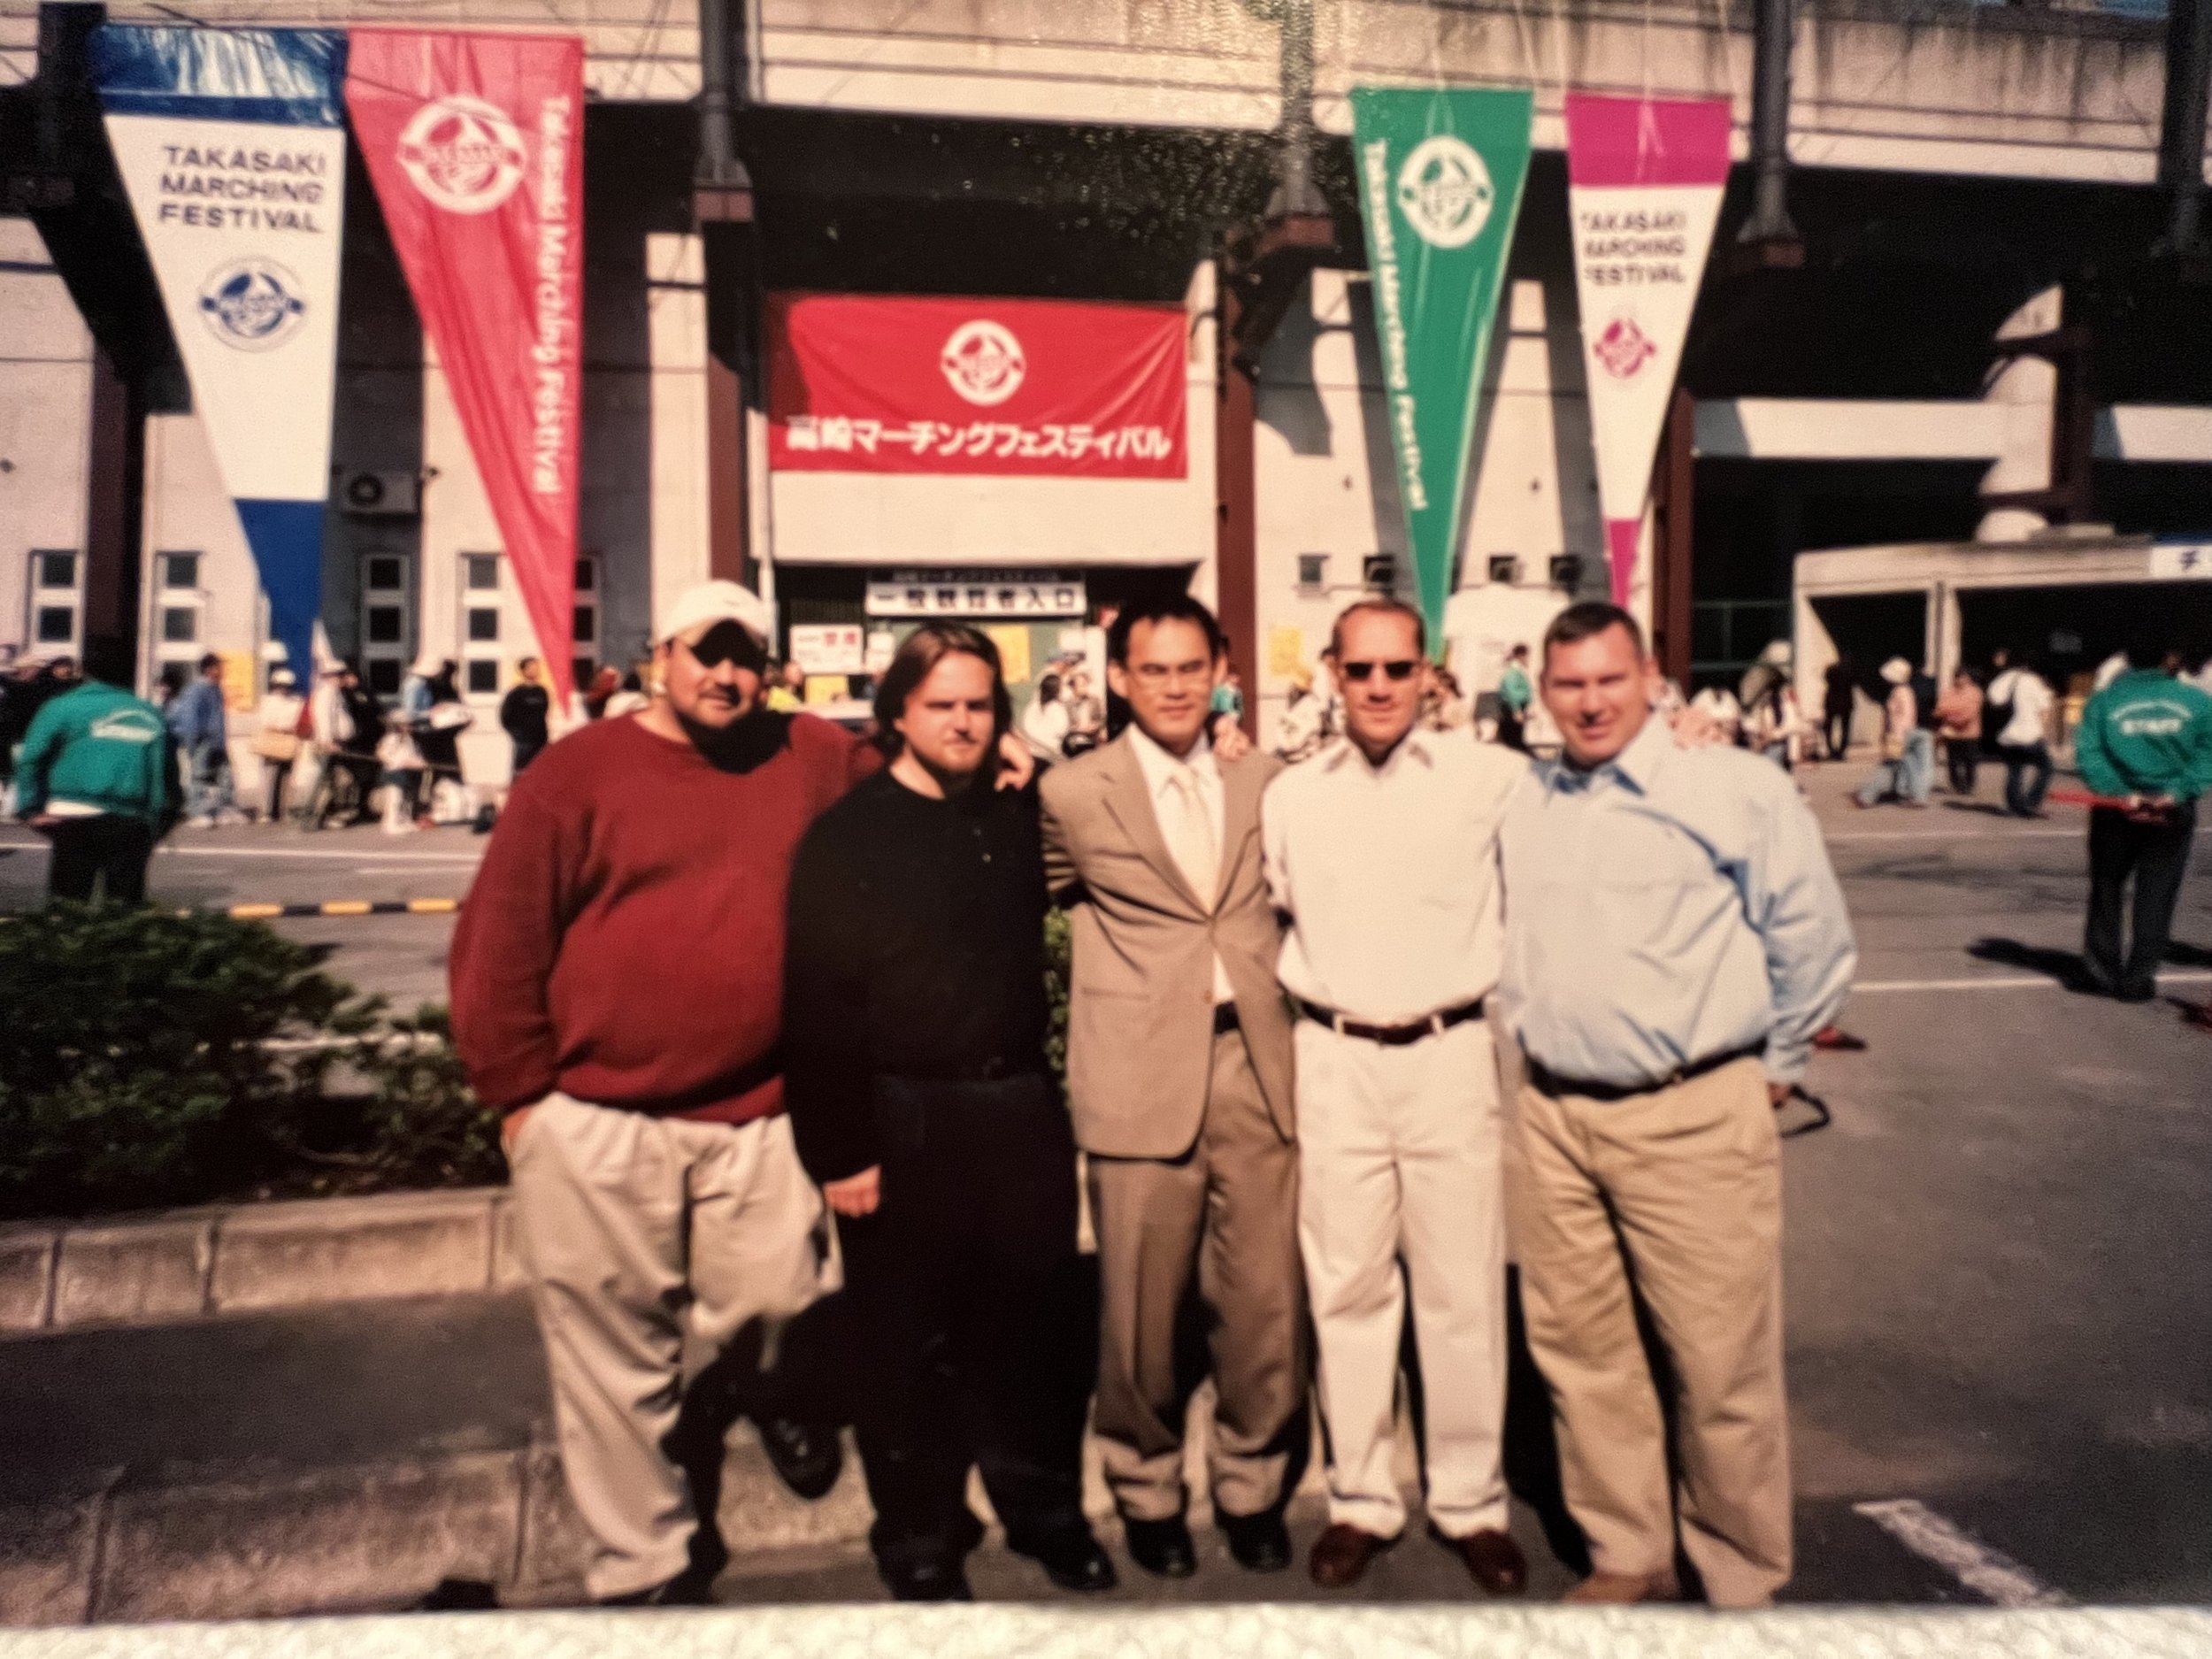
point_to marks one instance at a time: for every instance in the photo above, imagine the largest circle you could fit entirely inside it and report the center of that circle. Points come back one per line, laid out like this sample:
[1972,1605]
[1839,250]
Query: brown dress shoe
[1342,1554]
[1624,1589]
[1494,1560]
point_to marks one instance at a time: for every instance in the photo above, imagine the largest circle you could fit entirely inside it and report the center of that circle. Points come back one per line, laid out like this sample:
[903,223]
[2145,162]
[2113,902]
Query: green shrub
[1057,956]
[151,1059]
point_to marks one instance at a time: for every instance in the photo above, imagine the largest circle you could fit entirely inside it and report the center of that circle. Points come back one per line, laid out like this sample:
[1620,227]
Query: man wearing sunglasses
[617,993]
[1382,853]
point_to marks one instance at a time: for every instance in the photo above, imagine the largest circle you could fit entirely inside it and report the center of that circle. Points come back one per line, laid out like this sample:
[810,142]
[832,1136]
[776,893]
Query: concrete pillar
[676,322]
[2029,387]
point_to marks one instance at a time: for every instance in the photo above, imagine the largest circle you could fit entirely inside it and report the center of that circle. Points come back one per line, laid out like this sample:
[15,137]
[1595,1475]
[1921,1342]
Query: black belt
[1394,1036]
[1549,1082]
[1224,1017]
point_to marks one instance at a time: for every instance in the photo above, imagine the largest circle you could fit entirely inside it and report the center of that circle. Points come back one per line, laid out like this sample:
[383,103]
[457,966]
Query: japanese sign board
[829,648]
[1017,594]
[1011,388]
[2182,561]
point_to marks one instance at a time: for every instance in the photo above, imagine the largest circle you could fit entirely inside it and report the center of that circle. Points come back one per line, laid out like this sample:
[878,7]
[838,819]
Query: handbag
[282,746]
[396,751]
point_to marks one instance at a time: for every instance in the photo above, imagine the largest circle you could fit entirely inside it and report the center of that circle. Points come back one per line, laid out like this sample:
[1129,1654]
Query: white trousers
[632,1227]
[1400,1157]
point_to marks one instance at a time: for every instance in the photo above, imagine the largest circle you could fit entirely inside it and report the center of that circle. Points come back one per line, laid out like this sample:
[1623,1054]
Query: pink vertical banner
[1644,182]
[475,143]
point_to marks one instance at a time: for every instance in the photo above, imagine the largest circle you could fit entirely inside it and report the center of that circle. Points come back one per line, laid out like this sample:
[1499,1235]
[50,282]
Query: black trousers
[1962,756]
[104,849]
[1512,730]
[2157,855]
[1835,730]
[962,1309]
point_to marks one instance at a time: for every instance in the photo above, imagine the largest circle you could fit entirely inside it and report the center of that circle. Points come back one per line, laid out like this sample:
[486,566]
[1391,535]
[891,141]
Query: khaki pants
[632,1228]
[1673,1196]
[1398,1156]
[1224,1214]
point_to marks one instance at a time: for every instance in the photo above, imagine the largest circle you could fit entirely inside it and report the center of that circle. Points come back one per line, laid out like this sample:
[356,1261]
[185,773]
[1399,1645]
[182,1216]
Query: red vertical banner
[475,144]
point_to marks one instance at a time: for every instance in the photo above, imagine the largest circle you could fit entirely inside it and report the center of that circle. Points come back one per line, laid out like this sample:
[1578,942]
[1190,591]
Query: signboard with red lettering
[475,143]
[1011,387]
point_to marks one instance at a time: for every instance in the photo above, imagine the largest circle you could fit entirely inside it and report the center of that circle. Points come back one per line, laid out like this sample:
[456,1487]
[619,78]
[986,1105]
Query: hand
[1231,744]
[43,822]
[1693,728]
[856,1194]
[511,1127]
[1017,767]
[1777,1093]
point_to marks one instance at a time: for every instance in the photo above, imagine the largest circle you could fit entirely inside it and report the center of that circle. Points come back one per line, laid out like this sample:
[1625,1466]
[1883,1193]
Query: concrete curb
[170,1265]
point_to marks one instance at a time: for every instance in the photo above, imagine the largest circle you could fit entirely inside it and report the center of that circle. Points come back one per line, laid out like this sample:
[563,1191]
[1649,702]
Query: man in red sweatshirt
[617,993]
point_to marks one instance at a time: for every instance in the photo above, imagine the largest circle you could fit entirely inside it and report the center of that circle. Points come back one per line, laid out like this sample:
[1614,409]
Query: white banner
[1644,189]
[232,152]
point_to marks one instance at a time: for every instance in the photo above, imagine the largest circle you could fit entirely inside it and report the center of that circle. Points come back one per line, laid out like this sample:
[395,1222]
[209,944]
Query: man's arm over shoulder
[500,968]
[1793,901]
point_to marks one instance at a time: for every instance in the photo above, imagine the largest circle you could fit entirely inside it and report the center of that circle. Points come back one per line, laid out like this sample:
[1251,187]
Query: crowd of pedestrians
[1294,991]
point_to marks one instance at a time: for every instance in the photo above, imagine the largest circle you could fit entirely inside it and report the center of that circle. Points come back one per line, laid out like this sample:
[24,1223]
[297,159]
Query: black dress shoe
[807,1456]
[927,1582]
[1071,1556]
[1162,1547]
[1261,1543]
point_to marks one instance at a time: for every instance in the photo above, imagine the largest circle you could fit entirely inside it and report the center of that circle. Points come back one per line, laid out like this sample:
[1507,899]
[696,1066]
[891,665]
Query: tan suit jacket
[1141,1005]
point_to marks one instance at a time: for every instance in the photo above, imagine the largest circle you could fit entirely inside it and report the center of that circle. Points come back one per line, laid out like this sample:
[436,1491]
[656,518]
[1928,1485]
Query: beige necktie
[1190,837]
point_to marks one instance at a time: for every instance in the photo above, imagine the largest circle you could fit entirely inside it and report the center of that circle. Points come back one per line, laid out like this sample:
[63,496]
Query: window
[385,571]
[483,625]
[386,625]
[387,619]
[57,570]
[384,676]
[483,677]
[585,621]
[179,625]
[587,575]
[485,596]
[180,570]
[57,624]
[481,572]
[1313,572]
[587,624]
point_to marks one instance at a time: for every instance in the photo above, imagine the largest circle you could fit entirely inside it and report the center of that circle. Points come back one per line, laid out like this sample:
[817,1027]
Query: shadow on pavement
[2065,966]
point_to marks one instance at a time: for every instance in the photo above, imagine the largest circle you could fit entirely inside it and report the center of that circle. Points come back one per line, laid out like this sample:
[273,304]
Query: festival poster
[231,147]
[475,144]
[1644,182]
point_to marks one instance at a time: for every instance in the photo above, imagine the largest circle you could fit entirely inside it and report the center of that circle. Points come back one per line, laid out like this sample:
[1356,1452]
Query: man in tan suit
[1180,1078]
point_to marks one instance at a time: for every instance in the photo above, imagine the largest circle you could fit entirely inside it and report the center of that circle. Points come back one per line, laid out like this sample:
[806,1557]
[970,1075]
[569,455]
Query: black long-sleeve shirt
[915,950]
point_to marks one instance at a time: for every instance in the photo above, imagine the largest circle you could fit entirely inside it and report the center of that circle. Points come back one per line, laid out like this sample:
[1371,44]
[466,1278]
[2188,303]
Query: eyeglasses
[1358,672]
[728,643]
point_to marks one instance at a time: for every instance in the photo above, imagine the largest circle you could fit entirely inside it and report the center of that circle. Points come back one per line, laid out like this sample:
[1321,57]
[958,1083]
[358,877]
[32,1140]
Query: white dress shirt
[1165,780]
[1389,874]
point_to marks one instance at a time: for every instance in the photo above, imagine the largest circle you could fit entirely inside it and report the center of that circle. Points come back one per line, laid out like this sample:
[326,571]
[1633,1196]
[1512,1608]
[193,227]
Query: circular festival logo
[1623,349]
[984,362]
[462,153]
[1444,190]
[252,305]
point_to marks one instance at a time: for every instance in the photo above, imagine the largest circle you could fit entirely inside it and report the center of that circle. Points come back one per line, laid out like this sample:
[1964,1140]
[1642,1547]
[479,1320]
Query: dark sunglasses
[1358,672]
[729,642]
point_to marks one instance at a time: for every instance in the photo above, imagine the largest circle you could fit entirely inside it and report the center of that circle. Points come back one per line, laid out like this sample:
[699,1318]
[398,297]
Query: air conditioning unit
[1566,571]
[1378,571]
[365,495]
[1504,567]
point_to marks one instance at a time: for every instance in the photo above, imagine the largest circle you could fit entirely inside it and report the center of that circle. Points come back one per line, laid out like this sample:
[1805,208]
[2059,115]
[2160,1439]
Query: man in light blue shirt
[1674,938]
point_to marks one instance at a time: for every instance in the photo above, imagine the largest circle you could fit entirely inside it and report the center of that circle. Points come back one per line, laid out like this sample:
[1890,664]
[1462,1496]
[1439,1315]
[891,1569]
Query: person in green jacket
[2145,744]
[97,775]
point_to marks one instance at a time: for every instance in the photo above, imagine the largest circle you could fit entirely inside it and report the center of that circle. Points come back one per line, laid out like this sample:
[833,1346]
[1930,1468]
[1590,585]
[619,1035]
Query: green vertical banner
[1440,186]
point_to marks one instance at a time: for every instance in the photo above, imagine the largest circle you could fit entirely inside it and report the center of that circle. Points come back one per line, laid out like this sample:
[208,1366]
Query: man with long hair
[914,1028]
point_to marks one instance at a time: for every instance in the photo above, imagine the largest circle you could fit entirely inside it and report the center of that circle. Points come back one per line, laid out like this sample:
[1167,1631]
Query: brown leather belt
[1549,1082]
[1393,1036]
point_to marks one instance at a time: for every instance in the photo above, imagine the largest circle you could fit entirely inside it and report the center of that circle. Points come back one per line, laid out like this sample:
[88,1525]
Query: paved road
[2000,1257]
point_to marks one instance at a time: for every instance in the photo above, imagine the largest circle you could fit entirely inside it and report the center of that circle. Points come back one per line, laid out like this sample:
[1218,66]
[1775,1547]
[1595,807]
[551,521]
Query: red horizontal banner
[1009,387]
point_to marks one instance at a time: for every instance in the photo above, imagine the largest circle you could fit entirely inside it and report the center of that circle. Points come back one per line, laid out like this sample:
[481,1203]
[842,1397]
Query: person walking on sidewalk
[914,1071]
[276,739]
[97,777]
[201,725]
[2145,742]
[1663,1020]
[1515,695]
[1382,852]
[524,712]
[1839,693]
[1180,1078]
[2025,702]
[1907,770]
[1959,723]
[617,995]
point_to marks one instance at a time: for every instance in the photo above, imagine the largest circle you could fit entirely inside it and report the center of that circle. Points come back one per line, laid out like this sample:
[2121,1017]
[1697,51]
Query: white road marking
[2011,983]
[1964,833]
[1996,1577]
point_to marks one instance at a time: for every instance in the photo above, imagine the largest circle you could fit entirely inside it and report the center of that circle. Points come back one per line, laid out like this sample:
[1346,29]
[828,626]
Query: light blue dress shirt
[1671,905]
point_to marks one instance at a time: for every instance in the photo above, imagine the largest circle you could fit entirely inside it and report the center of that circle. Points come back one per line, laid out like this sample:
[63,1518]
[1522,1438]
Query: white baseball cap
[702,606]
